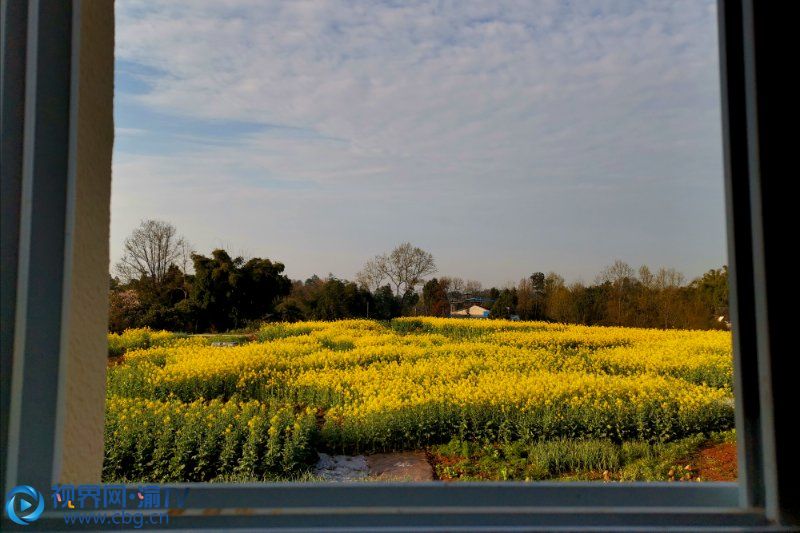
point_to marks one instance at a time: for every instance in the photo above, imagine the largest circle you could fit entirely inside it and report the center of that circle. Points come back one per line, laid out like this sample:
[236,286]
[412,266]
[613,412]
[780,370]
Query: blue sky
[503,137]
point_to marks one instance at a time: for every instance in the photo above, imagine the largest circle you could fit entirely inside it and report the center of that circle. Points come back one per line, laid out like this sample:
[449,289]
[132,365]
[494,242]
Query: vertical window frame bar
[37,365]
[741,270]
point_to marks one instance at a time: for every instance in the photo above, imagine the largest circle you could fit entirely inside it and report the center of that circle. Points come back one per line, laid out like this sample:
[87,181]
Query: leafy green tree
[337,299]
[386,304]
[229,292]
[409,301]
[154,302]
[531,297]
[710,296]
[289,310]
[213,289]
[124,311]
[712,288]
[590,303]
[434,298]
[260,283]
[328,299]
[505,305]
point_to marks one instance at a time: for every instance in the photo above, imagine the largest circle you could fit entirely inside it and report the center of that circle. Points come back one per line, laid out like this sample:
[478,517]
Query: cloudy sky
[503,137]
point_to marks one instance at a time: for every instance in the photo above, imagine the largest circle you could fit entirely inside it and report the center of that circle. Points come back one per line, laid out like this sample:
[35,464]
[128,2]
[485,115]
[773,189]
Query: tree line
[160,283]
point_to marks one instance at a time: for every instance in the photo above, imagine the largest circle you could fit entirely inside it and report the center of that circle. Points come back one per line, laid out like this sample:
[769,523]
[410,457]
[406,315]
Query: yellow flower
[372,379]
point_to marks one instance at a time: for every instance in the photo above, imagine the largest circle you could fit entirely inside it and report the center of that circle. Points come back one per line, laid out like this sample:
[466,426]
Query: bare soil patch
[718,462]
[404,466]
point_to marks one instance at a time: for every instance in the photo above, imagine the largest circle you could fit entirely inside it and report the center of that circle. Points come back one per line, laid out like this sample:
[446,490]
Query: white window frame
[39,58]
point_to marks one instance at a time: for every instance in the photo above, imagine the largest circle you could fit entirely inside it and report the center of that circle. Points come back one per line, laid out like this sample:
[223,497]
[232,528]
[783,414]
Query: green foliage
[271,332]
[145,302]
[582,459]
[228,292]
[149,441]
[326,299]
[505,305]
[386,304]
[419,426]
[528,461]
[139,339]
[646,462]
[434,299]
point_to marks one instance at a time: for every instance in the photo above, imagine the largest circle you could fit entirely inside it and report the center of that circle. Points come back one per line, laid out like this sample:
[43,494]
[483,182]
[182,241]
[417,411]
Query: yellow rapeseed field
[359,385]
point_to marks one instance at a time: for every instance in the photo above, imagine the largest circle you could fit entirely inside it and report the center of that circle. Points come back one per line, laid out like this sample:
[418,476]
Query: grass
[573,460]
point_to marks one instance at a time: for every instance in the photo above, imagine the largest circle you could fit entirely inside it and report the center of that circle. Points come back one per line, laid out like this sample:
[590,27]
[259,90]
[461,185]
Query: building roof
[473,311]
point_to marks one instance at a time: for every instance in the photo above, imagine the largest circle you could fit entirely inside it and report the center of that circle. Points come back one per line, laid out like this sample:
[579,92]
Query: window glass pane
[418,241]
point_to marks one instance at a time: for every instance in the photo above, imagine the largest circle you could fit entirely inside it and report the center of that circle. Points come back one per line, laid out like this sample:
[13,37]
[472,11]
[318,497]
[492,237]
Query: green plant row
[206,441]
[584,459]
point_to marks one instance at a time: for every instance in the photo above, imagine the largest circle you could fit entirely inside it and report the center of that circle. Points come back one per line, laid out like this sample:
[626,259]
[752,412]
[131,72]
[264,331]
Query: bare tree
[669,278]
[371,276]
[185,256]
[453,284]
[405,267]
[553,281]
[472,286]
[668,282]
[645,299]
[557,298]
[150,250]
[461,285]
[646,277]
[453,287]
[619,276]
[617,273]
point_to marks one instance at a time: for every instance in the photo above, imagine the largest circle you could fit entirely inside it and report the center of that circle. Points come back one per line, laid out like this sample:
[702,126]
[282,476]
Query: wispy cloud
[504,136]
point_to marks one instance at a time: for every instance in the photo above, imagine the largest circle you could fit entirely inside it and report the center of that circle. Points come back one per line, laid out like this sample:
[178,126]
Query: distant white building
[475,311]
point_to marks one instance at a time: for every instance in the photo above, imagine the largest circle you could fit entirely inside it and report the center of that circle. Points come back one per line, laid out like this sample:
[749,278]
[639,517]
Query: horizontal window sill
[458,506]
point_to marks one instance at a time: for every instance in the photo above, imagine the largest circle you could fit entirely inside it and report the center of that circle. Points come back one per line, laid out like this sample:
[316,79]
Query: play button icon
[24,505]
